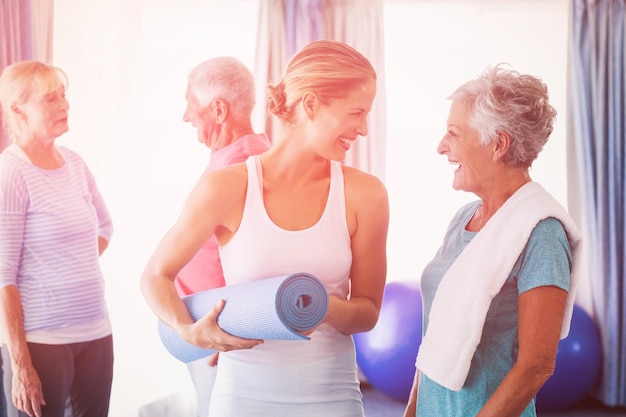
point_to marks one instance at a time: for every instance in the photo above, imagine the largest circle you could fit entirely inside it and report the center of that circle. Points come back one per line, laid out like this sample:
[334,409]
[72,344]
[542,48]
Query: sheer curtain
[286,26]
[25,33]
[16,42]
[598,111]
[42,16]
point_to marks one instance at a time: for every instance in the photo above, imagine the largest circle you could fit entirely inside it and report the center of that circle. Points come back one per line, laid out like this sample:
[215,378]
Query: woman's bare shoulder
[365,193]
[236,173]
[223,185]
[362,181]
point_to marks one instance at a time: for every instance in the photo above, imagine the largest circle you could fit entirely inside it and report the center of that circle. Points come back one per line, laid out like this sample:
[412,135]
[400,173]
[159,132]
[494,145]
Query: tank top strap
[255,178]
[336,195]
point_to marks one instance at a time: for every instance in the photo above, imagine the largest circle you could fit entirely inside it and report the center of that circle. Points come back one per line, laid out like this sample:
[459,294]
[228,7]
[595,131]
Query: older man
[220,99]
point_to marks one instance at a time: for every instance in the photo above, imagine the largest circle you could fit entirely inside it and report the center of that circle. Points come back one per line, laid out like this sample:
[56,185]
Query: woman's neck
[45,156]
[497,195]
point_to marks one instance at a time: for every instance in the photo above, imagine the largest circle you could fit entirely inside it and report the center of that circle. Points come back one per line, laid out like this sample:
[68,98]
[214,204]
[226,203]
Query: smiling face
[461,145]
[338,123]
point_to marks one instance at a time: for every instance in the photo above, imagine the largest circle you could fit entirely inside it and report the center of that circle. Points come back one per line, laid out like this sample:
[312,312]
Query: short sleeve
[547,258]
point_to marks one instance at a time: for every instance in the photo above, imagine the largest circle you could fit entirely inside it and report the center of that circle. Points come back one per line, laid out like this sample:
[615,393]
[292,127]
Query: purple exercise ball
[578,365]
[386,354]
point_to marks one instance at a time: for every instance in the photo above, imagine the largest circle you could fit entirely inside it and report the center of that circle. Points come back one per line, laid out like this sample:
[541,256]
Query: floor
[378,404]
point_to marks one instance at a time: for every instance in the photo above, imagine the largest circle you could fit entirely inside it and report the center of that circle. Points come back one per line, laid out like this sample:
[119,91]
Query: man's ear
[501,145]
[310,104]
[15,108]
[220,110]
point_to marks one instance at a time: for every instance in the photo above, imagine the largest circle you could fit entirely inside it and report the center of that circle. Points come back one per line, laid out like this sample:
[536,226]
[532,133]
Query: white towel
[464,295]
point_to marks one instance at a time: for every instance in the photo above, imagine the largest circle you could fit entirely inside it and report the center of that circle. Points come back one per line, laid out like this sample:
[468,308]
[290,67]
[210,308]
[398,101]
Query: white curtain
[42,15]
[271,55]
[287,26]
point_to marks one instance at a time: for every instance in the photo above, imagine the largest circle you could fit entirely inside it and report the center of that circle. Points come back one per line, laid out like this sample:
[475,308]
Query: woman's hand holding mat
[276,308]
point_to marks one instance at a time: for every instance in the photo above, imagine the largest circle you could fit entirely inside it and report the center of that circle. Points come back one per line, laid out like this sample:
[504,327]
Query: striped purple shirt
[50,221]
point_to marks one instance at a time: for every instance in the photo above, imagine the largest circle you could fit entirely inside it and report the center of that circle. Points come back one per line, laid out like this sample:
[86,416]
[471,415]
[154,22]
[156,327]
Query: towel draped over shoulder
[464,295]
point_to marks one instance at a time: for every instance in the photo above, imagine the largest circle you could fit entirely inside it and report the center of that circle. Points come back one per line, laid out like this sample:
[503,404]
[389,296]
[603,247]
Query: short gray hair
[503,100]
[226,78]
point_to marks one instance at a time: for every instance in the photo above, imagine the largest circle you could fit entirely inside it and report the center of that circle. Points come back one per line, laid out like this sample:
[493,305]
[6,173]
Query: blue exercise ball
[578,365]
[386,354]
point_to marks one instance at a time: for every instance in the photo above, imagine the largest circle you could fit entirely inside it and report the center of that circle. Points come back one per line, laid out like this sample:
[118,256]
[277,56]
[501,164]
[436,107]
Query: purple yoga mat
[274,308]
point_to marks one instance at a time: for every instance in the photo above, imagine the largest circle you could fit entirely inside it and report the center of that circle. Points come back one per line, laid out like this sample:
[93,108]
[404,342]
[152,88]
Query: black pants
[82,372]
[3,405]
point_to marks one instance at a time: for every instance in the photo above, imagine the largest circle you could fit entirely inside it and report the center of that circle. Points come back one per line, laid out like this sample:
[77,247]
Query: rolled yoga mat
[274,308]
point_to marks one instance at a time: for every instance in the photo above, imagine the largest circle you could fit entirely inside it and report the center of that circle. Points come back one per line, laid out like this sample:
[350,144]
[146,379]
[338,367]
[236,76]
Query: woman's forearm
[351,316]
[516,391]
[12,321]
[540,318]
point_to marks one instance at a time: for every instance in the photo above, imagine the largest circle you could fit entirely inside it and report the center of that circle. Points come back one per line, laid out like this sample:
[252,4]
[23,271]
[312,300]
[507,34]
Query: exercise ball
[578,365]
[386,354]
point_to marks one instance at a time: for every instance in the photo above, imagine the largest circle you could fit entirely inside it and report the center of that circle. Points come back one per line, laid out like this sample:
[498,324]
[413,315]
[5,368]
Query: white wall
[433,47]
[127,63]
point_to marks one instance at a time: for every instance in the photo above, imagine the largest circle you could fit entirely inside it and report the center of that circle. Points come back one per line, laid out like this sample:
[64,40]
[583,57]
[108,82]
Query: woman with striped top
[54,225]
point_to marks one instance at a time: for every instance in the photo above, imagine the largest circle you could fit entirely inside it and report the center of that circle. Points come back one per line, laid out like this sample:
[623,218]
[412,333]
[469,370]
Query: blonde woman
[54,226]
[294,208]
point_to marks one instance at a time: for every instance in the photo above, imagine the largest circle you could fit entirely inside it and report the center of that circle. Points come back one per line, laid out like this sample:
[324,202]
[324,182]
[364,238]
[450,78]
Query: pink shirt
[204,270]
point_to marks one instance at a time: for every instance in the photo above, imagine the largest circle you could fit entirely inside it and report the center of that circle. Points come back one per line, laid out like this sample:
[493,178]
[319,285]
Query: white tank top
[310,378]
[261,249]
